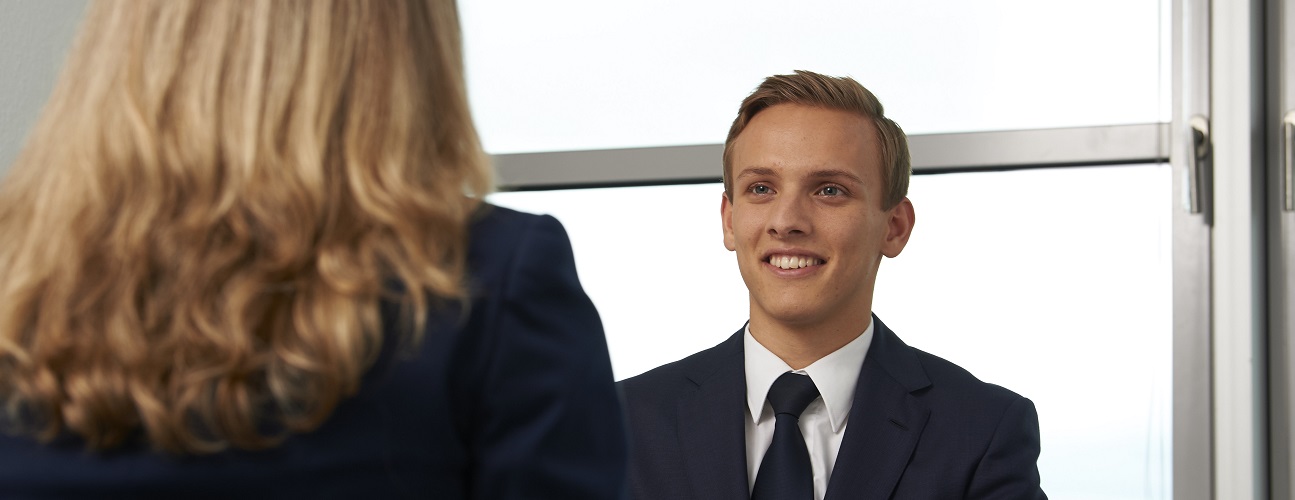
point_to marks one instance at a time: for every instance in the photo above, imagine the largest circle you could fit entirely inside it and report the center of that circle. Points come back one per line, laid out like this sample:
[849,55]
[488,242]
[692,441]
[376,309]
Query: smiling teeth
[790,262]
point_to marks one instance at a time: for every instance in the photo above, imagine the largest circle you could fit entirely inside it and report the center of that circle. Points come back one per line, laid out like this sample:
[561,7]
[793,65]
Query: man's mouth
[792,261]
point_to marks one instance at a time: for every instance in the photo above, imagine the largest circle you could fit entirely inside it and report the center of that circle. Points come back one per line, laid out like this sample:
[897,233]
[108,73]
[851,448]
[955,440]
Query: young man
[815,398]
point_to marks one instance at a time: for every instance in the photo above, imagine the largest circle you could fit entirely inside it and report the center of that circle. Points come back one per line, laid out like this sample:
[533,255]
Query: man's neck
[801,345]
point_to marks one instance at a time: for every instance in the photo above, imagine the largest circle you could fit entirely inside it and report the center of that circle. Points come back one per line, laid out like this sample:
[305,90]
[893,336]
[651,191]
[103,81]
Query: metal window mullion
[1039,148]
[1281,246]
[1237,264]
[1193,444]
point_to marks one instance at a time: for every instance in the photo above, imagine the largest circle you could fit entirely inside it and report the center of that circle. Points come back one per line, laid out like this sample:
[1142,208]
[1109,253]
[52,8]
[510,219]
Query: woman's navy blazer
[511,397]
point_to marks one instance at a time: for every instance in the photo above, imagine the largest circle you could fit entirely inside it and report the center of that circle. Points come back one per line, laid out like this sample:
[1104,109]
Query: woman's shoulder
[494,220]
[500,235]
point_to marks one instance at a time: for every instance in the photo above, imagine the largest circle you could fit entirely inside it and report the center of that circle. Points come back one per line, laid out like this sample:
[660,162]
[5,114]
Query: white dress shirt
[822,423]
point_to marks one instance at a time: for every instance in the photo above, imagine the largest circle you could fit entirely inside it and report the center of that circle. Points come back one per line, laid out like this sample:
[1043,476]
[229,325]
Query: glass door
[1280,214]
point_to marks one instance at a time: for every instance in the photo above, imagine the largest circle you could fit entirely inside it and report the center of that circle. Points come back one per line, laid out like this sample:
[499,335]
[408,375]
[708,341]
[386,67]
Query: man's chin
[794,315]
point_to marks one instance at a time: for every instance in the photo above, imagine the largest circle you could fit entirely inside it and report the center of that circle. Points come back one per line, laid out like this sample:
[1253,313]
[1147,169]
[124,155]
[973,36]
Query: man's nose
[790,217]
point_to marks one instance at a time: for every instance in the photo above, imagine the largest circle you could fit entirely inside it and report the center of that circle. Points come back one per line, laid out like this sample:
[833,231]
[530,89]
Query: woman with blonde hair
[245,254]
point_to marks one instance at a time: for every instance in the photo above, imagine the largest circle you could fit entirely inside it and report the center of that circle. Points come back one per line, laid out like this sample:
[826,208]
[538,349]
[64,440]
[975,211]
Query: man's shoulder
[955,384]
[668,381]
[683,371]
[931,375]
[978,439]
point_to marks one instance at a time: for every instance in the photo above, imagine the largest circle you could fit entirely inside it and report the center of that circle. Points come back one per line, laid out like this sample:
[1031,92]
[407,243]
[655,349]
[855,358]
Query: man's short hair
[844,94]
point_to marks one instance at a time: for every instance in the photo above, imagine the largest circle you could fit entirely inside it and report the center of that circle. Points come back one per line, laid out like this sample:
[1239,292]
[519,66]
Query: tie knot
[791,393]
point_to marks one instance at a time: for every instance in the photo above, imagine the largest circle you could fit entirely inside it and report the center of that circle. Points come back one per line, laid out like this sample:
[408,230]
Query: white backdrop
[1054,283]
[592,74]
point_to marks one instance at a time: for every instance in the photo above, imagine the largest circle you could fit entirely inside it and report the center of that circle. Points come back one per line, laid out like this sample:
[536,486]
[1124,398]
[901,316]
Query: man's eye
[760,189]
[831,191]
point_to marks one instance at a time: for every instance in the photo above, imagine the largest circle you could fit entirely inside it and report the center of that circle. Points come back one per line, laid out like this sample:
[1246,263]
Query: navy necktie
[785,473]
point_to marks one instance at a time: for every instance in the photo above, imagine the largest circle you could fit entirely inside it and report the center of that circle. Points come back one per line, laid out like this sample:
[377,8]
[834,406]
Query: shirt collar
[835,375]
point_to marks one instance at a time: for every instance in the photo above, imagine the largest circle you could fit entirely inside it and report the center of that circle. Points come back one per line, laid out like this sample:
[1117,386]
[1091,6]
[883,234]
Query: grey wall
[34,37]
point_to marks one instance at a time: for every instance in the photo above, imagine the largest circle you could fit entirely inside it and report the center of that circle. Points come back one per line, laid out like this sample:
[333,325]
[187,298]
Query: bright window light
[592,74]
[1055,283]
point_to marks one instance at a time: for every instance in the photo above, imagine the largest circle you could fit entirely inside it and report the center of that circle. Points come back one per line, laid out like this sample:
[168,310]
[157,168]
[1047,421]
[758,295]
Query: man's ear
[898,228]
[726,215]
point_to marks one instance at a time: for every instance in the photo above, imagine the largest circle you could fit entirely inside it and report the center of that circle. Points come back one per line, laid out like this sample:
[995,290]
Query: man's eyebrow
[836,173]
[759,171]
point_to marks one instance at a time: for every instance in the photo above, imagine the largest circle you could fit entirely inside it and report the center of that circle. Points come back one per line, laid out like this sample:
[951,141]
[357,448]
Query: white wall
[34,36]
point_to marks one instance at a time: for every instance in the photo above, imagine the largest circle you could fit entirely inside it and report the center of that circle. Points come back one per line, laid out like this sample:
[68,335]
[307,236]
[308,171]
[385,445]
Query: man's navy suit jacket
[513,400]
[920,428]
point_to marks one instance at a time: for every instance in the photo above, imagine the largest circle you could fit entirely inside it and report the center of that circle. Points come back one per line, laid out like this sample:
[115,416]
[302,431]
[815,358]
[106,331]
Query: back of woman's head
[218,195]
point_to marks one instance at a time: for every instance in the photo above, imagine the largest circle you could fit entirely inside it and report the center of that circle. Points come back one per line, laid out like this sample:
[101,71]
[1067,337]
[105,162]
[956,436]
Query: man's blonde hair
[844,94]
[200,230]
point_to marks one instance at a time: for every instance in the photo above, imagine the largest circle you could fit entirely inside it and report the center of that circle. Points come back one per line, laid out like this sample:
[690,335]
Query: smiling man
[815,398]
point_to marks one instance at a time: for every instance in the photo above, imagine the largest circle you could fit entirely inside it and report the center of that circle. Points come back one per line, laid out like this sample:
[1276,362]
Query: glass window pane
[1054,283]
[33,39]
[653,261]
[590,74]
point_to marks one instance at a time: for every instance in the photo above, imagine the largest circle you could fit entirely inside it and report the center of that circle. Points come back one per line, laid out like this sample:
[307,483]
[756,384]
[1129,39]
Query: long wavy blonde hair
[219,194]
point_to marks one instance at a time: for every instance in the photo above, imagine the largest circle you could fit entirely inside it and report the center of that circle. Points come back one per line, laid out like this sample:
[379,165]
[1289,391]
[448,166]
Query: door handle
[1198,161]
[1288,162]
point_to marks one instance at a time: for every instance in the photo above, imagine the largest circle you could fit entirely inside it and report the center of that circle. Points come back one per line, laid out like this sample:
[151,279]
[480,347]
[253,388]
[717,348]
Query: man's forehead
[807,131]
[809,117]
[824,173]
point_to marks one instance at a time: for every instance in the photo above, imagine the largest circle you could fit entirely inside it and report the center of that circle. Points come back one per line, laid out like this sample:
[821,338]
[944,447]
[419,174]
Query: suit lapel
[885,421]
[711,432]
